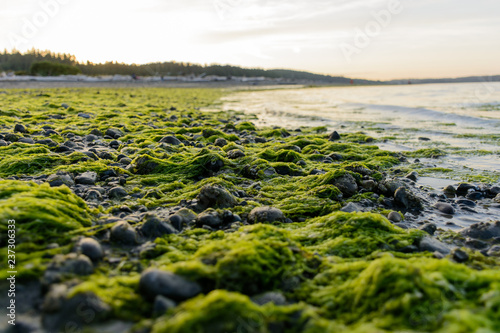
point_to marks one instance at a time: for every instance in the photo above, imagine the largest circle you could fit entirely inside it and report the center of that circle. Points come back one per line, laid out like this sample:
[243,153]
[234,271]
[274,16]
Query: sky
[373,39]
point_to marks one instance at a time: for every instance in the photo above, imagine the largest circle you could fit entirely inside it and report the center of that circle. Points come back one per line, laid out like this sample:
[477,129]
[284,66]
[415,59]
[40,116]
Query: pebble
[265,215]
[20,128]
[413,176]
[394,217]
[91,248]
[430,228]
[93,195]
[445,208]
[117,193]
[351,207]
[235,154]
[433,245]
[154,282]
[172,140]
[220,142]
[56,180]
[214,196]
[153,227]
[122,232]
[460,255]
[27,140]
[475,196]
[270,297]
[334,136]
[346,184]
[162,305]
[114,133]
[450,191]
[86,178]
[210,218]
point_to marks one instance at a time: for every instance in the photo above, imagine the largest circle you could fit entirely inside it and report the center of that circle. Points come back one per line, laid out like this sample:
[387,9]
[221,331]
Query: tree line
[31,61]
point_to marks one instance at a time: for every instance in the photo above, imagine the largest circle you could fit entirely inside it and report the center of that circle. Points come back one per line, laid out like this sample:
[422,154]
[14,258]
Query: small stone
[114,133]
[482,230]
[19,128]
[464,188]
[444,207]
[413,176]
[93,195]
[265,215]
[494,190]
[422,138]
[220,142]
[11,137]
[86,178]
[346,184]
[162,305]
[460,255]
[497,198]
[26,140]
[394,217]
[171,140]
[433,245]
[56,180]
[494,251]
[210,218]
[450,191]
[65,105]
[84,115]
[430,228]
[334,136]
[117,193]
[90,138]
[96,132]
[235,154]
[3,143]
[401,197]
[475,196]
[122,232]
[214,196]
[270,297]
[154,282]
[153,227]
[71,263]
[91,248]
[176,221]
[351,207]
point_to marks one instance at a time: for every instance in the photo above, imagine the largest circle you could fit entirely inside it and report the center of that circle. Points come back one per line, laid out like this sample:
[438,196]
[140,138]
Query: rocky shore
[136,212]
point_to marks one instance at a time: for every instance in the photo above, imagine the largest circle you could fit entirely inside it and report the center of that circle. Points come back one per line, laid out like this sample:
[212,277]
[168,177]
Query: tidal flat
[137,212]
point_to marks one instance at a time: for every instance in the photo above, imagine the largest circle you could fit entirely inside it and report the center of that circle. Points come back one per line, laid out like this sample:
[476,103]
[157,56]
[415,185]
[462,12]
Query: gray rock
[220,142]
[153,227]
[495,190]
[11,137]
[270,297]
[235,154]
[430,228]
[93,195]
[172,140]
[84,115]
[444,207]
[144,165]
[47,142]
[122,232]
[450,191]
[460,255]
[125,161]
[96,132]
[210,217]
[71,263]
[86,178]
[27,140]
[20,128]
[214,196]
[90,138]
[162,305]
[412,175]
[482,230]
[76,313]
[494,251]
[346,184]
[402,198]
[56,180]
[91,248]
[334,136]
[117,193]
[266,215]
[497,198]
[65,105]
[3,143]
[154,282]
[394,217]
[433,245]
[351,207]
[114,133]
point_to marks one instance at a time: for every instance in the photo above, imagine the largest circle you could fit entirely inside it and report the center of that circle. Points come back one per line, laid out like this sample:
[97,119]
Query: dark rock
[430,228]
[351,207]
[171,140]
[460,255]
[176,221]
[334,136]
[220,142]
[234,154]
[65,105]
[3,143]
[84,115]
[422,138]
[433,245]
[464,188]
[346,184]
[214,196]
[27,140]
[476,244]
[482,230]
[117,193]
[11,137]
[91,248]
[75,314]
[210,218]
[90,138]
[466,202]
[93,195]
[71,263]
[494,190]
[270,297]
[144,165]
[394,217]
[115,144]
[122,232]
[444,207]
[475,196]
[114,133]
[162,305]
[259,139]
[155,282]
[494,251]
[47,142]
[86,178]
[265,215]
[108,174]
[450,191]
[19,128]
[56,180]
[413,176]
[96,132]
[153,227]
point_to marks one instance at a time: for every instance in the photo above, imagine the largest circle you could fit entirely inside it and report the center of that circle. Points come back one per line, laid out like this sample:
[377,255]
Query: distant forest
[21,64]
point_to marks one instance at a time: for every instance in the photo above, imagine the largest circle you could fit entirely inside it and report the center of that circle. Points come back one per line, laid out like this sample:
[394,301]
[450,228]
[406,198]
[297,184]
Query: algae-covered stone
[72,263]
[274,297]
[171,140]
[266,215]
[117,193]
[86,178]
[210,218]
[346,184]
[114,133]
[235,154]
[155,282]
[153,227]
[60,179]
[214,196]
